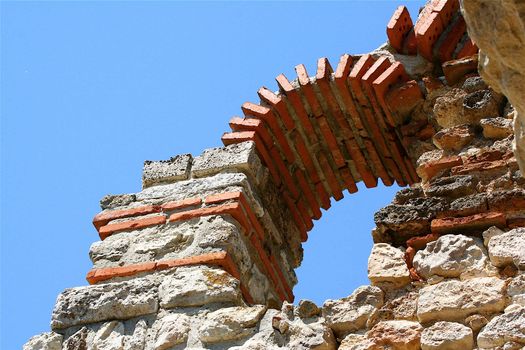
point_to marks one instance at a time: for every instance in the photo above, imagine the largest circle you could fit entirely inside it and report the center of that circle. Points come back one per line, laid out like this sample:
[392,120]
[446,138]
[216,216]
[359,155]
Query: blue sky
[89,90]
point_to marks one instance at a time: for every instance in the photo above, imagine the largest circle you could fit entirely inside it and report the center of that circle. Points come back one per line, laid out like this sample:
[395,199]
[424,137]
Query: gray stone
[516,290]
[171,330]
[240,157]
[386,265]
[508,248]
[447,336]
[353,312]
[455,300]
[452,256]
[111,201]
[452,186]
[454,138]
[110,301]
[230,323]
[496,128]
[509,327]
[165,171]
[137,340]
[109,337]
[307,309]
[198,285]
[44,341]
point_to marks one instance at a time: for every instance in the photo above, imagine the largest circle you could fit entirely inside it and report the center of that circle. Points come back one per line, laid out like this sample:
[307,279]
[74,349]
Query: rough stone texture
[170,330]
[240,157]
[516,290]
[396,335]
[44,341]
[454,138]
[386,264]
[102,302]
[452,256]
[497,27]
[496,128]
[447,336]
[111,201]
[353,312]
[508,248]
[455,300]
[165,171]
[230,323]
[194,286]
[506,328]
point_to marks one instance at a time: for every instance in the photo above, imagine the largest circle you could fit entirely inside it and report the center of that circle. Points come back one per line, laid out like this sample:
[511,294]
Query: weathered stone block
[386,265]
[170,330]
[44,341]
[238,157]
[508,248]
[496,128]
[396,334]
[454,300]
[506,328]
[454,138]
[447,336]
[102,302]
[198,285]
[352,313]
[165,171]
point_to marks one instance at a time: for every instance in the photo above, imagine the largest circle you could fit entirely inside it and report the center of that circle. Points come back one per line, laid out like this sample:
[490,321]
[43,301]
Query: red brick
[130,225]
[479,167]
[284,173]
[266,114]
[308,194]
[395,74]
[456,70]
[330,177]
[445,9]
[476,222]
[469,48]
[515,223]
[421,242]
[98,275]
[331,141]
[401,100]
[296,217]
[307,220]
[341,74]
[306,158]
[369,179]
[307,90]
[427,30]
[348,179]
[485,156]
[323,196]
[223,197]
[447,47]
[279,105]
[410,253]
[185,203]
[251,124]
[233,209]
[398,27]
[410,43]
[251,217]
[431,169]
[287,289]
[378,164]
[103,218]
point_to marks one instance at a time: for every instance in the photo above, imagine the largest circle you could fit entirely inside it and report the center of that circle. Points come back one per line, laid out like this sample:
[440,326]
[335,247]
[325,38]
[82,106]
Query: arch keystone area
[204,256]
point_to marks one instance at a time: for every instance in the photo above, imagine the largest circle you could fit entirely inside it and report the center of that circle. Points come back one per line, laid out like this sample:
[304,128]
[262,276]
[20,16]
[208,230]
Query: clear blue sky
[89,90]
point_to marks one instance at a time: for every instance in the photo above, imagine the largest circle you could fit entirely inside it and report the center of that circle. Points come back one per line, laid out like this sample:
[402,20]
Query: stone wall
[204,256]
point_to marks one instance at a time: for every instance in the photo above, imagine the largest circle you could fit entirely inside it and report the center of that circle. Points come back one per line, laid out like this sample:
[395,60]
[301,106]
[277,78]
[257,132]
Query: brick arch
[291,153]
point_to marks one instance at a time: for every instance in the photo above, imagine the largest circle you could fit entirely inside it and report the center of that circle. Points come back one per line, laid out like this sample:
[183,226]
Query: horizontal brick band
[466,223]
[221,259]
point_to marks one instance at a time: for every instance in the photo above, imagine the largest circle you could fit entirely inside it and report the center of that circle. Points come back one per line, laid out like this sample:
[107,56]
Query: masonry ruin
[204,256]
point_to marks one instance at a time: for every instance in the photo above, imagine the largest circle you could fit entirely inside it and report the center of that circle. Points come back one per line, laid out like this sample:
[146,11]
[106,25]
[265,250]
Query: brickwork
[204,256]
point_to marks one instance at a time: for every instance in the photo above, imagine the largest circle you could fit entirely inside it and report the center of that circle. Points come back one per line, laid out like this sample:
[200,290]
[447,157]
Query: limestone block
[506,328]
[110,301]
[352,313]
[455,300]
[306,309]
[137,340]
[452,256]
[230,323]
[508,248]
[395,335]
[165,171]
[400,304]
[447,336]
[516,290]
[310,336]
[454,138]
[239,157]
[109,337]
[112,201]
[497,27]
[386,264]
[489,233]
[80,340]
[170,330]
[198,285]
[44,341]
[496,128]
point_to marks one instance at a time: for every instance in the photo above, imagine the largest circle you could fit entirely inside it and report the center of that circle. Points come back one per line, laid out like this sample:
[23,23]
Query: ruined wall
[204,256]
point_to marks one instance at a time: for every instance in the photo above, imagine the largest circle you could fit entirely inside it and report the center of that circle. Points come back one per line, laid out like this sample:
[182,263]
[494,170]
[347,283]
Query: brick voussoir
[276,103]
[398,28]
[467,223]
